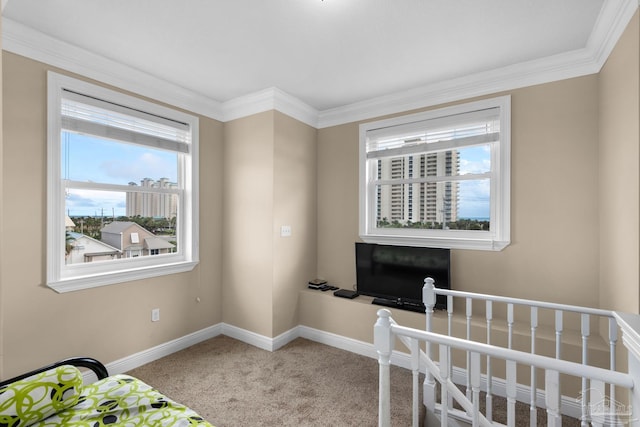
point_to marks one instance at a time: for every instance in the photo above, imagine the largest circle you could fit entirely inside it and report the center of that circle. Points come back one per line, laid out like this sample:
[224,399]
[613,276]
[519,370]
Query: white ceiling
[326,53]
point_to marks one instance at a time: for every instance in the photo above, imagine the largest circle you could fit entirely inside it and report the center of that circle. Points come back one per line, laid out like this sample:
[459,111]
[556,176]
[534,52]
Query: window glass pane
[91,159]
[418,205]
[446,205]
[418,166]
[98,229]
[461,161]
[474,160]
[95,203]
[474,200]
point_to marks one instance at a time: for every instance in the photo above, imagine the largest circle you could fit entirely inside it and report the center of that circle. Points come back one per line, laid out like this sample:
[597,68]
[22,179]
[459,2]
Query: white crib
[514,347]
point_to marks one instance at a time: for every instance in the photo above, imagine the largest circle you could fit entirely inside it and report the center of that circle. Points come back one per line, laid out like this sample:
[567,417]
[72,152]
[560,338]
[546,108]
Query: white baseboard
[570,406]
[149,355]
[338,341]
[260,341]
[248,337]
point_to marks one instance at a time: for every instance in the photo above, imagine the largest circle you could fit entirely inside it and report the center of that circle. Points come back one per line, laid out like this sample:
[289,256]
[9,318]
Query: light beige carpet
[304,383]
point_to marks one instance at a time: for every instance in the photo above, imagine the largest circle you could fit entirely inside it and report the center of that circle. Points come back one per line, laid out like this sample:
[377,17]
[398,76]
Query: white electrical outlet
[155,314]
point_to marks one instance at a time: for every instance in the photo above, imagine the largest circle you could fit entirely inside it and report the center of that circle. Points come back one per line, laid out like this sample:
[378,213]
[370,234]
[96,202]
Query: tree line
[91,225]
[460,224]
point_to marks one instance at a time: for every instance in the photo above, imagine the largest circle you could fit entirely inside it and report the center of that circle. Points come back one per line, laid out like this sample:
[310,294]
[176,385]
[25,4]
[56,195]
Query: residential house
[87,249]
[266,160]
[132,240]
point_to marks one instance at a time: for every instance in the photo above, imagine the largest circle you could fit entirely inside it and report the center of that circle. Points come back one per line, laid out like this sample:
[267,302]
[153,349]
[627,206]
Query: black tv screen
[398,272]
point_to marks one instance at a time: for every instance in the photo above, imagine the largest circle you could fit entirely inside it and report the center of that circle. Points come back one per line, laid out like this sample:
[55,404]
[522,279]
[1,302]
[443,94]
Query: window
[122,185]
[439,178]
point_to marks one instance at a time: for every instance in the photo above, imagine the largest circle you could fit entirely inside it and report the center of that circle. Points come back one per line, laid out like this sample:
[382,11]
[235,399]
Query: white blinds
[442,133]
[88,115]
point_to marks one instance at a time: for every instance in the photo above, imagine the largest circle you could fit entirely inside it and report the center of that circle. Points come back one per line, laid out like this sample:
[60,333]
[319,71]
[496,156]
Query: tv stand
[400,304]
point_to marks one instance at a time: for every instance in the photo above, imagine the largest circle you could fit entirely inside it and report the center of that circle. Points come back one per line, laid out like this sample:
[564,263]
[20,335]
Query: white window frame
[65,278]
[499,235]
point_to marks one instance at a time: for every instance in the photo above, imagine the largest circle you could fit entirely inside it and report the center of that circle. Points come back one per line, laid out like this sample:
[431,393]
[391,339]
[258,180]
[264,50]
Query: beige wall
[554,206]
[248,223]
[619,157]
[110,322]
[554,245]
[270,178]
[294,205]
[338,204]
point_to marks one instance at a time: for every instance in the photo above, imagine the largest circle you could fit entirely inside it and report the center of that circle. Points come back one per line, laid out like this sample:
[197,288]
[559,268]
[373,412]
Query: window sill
[95,280]
[437,242]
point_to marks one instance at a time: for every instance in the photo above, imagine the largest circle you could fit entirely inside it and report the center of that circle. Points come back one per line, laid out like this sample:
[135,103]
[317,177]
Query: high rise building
[426,202]
[152,204]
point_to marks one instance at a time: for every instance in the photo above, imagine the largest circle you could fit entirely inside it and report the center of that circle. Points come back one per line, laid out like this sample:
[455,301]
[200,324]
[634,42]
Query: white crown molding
[25,41]
[611,23]
[559,67]
[267,100]
[248,105]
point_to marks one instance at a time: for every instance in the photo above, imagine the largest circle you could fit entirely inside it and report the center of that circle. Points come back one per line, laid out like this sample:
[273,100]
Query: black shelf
[399,304]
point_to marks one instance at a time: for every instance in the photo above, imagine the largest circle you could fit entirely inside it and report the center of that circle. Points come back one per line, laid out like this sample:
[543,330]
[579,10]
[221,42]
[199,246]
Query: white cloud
[92,202]
[474,166]
[474,201]
[145,165]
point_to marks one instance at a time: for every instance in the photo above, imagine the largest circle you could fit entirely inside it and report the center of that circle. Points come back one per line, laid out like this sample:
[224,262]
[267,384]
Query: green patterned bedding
[57,397]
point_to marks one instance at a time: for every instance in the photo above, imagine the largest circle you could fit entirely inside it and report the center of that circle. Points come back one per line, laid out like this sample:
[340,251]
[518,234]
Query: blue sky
[474,195]
[86,158]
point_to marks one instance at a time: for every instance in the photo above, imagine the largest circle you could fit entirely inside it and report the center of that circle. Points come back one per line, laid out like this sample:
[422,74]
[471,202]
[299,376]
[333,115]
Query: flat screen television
[395,274]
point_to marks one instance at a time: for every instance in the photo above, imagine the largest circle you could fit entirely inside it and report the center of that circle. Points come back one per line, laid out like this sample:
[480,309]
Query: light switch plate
[285,231]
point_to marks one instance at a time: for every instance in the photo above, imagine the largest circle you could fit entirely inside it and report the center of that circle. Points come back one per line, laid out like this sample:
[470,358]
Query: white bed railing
[597,405]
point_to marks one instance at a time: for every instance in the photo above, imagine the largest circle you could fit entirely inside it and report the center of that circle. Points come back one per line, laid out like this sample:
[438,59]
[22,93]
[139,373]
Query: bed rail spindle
[444,373]
[429,300]
[533,406]
[415,370]
[552,398]
[475,388]
[450,332]
[511,393]
[450,315]
[595,400]
[584,332]
[510,324]
[489,396]
[383,341]
[469,310]
[558,333]
[613,339]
